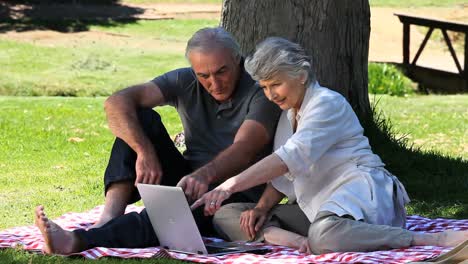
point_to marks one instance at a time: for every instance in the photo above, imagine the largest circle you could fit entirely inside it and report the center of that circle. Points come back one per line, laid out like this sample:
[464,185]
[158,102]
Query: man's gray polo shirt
[210,127]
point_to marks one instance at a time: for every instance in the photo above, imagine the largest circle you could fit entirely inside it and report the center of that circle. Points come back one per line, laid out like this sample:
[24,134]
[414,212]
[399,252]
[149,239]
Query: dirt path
[387,34]
[385,40]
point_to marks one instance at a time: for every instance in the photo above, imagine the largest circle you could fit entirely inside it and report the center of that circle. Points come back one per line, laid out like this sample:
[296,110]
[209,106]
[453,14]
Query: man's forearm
[123,123]
[228,163]
[121,109]
[251,138]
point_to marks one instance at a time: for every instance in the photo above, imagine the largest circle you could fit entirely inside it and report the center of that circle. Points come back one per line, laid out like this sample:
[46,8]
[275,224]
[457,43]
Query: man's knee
[148,118]
[226,221]
[153,127]
[325,236]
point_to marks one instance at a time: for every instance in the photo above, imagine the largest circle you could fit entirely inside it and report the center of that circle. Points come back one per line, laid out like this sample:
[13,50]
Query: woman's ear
[303,77]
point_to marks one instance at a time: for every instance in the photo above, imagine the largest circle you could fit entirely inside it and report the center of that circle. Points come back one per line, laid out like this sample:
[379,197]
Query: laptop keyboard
[216,250]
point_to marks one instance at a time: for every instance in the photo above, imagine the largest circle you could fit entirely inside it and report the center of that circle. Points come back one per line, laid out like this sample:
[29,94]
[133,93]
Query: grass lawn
[11,256]
[29,69]
[173,1]
[168,30]
[58,147]
[54,151]
[98,64]
[429,122]
[383,3]
[429,152]
[416,3]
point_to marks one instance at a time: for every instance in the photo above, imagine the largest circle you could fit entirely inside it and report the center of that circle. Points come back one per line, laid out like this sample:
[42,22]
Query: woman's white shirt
[331,165]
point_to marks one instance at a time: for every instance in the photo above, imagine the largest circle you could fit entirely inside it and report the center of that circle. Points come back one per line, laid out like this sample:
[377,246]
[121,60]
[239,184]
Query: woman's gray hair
[207,39]
[275,55]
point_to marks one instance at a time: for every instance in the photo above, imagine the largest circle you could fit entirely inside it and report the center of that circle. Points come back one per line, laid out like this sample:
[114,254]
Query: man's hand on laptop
[148,169]
[194,185]
[212,200]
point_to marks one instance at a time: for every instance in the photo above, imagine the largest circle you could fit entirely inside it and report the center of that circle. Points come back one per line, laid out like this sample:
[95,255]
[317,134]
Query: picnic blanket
[29,238]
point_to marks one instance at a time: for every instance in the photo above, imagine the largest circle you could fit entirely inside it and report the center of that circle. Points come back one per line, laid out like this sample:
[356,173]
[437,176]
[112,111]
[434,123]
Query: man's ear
[238,59]
[188,58]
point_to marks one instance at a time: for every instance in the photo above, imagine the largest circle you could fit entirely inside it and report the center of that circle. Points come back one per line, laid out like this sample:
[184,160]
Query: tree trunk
[334,33]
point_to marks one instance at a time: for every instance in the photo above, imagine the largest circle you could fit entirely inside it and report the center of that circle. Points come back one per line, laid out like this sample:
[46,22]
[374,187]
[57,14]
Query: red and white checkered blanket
[30,239]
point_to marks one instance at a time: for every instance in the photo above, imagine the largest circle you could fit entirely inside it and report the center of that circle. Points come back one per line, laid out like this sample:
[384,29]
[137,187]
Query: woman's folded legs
[329,232]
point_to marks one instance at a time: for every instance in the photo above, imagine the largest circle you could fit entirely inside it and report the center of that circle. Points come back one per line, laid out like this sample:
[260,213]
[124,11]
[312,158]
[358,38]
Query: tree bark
[335,34]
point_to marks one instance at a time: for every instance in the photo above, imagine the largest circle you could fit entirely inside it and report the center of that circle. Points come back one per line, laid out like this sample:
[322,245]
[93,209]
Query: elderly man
[228,125]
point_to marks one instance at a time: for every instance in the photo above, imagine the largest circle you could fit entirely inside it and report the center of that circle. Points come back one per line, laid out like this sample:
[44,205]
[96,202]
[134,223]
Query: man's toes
[44,221]
[37,213]
[39,209]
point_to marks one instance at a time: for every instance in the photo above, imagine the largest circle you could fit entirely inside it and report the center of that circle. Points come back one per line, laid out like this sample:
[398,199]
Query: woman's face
[284,90]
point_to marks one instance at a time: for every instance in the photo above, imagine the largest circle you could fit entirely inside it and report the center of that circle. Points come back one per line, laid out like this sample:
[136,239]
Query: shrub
[388,79]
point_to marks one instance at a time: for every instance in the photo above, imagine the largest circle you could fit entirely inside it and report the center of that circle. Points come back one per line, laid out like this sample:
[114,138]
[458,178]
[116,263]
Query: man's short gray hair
[275,55]
[207,39]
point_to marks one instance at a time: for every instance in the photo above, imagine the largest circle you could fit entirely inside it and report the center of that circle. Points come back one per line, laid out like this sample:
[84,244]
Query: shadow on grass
[434,182]
[64,16]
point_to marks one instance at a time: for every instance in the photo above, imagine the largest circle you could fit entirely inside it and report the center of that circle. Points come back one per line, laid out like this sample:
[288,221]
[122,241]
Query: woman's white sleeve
[323,123]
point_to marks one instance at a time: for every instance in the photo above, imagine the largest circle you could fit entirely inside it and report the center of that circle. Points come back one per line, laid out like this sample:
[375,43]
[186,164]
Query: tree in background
[334,33]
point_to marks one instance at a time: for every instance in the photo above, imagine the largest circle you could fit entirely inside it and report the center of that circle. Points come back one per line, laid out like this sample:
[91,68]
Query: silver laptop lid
[172,220]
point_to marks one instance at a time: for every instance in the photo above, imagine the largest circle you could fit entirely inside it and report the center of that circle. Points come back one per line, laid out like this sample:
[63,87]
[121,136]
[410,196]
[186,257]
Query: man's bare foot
[57,240]
[448,238]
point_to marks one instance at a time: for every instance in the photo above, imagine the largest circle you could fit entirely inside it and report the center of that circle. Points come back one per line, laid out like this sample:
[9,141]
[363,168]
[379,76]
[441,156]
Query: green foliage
[387,79]
[444,209]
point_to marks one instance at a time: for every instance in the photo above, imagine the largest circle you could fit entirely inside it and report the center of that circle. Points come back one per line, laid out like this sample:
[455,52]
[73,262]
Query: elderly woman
[345,200]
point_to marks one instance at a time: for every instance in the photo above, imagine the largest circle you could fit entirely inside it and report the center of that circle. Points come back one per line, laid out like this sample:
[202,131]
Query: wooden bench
[432,24]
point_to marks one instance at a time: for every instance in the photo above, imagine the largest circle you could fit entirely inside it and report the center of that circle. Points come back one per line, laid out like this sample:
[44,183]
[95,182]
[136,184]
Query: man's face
[217,71]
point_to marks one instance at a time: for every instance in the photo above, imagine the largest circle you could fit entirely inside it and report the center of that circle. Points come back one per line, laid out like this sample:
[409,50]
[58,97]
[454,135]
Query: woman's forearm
[261,172]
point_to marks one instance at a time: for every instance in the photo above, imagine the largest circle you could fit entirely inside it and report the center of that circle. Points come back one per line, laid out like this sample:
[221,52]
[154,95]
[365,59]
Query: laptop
[175,227]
